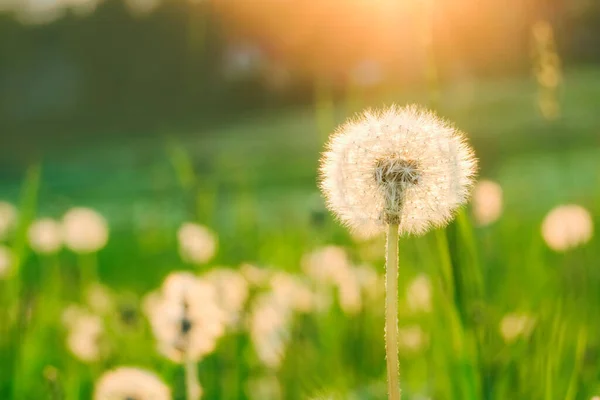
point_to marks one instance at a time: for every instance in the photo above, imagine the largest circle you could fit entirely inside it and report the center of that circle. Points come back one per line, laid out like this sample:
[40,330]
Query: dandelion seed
[516,325]
[6,261]
[128,383]
[403,171]
[566,227]
[197,244]
[487,202]
[8,218]
[418,294]
[185,317]
[84,230]
[45,236]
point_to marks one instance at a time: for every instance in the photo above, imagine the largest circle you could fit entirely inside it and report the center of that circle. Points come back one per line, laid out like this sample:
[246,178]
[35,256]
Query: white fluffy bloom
[516,325]
[45,236]
[418,294]
[232,292]
[487,202]
[566,227]
[197,244]
[269,326]
[85,333]
[185,317]
[6,261]
[8,218]
[84,230]
[400,165]
[131,383]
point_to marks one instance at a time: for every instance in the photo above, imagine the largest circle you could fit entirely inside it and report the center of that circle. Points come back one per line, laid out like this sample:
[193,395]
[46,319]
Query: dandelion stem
[391,312]
[192,385]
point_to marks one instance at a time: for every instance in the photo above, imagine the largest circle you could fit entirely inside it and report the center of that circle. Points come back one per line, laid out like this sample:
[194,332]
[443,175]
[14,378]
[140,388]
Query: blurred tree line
[191,62]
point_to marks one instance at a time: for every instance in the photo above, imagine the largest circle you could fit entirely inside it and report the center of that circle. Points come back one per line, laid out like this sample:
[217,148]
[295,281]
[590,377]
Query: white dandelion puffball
[131,383]
[566,227]
[45,236]
[185,317]
[400,166]
[8,218]
[6,261]
[232,291]
[85,333]
[197,244]
[418,294]
[487,202]
[84,230]
[516,325]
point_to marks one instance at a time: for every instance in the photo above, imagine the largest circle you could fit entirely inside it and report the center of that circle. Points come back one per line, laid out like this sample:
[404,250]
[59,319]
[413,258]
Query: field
[486,312]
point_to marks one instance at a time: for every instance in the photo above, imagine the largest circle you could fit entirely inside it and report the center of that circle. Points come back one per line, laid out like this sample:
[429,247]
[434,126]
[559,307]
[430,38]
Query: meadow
[487,309]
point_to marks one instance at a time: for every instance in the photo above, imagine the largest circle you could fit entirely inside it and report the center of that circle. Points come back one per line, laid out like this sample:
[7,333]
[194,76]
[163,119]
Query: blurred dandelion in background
[85,231]
[6,261]
[197,244]
[185,317]
[412,338]
[566,227]
[269,329]
[516,325]
[264,387]
[231,292]
[85,331]
[487,202]
[45,236]
[418,294]
[547,69]
[8,218]
[126,383]
[99,298]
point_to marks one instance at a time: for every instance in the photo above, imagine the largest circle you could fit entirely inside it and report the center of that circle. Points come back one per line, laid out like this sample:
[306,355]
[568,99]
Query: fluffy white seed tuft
[567,227]
[400,165]
[131,383]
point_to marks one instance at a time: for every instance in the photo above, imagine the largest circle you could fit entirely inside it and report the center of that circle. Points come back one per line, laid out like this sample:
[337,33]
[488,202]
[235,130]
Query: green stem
[192,386]
[391,312]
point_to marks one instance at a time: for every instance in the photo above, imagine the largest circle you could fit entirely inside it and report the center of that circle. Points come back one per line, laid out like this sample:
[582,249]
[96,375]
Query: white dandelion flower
[185,317]
[516,325]
[487,202]
[45,236]
[197,244]
[84,336]
[126,383]
[6,261]
[292,292]
[399,166]
[84,230]
[231,290]
[418,294]
[269,326]
[567,227]
[8,218]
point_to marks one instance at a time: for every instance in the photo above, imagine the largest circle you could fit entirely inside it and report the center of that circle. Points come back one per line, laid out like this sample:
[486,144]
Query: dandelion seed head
[400,165]
[45,236]
[326,265]
[566,227]
[418,294]
[185,317]
[126,383]
[487,202]
[84,336]
[6,261]
[269,328]
[292,292]
[231,291]
[84,230]
[8,218]
[516,325]
[197,244]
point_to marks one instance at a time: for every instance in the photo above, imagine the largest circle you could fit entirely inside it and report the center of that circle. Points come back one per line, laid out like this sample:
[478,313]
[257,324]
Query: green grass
[254,182]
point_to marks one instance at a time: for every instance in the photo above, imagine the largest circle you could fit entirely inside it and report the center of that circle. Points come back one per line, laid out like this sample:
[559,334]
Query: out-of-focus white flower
[372,283]
[231,290]
[292,292]
[326,265]
[45,236]
[6,261]
[516,325]
[197,244]
[84,230]
[403,166]
[412,338]
[185,317]
[349,292]
[418,294]
[487,202]
[269,329]
[131,383]
[566,227]
[99,298]
[8,218]
[85,333]
[254,275]
[265,387]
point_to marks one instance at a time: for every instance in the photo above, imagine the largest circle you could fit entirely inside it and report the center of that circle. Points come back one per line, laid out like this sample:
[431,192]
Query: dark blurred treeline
[196,62]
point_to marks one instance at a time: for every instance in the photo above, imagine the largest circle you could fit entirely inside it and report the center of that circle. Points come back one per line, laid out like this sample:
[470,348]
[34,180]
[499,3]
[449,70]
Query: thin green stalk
[192,386]
[391,312]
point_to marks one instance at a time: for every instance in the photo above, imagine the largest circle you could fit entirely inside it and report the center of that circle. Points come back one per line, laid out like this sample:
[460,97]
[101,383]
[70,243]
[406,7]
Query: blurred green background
[157,112]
